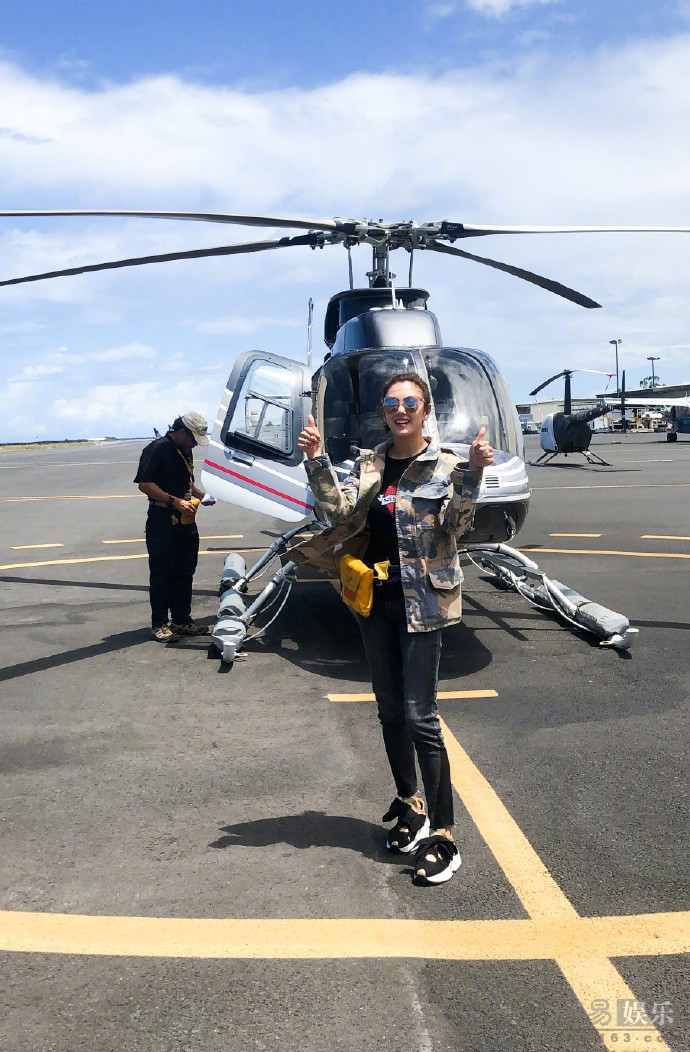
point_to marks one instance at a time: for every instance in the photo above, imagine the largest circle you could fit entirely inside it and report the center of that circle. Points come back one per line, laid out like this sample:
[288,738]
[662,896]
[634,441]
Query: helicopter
[568,432]
[253,459]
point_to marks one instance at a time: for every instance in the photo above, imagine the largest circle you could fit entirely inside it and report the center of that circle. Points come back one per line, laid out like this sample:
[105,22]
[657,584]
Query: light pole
[616,343]
[652,358]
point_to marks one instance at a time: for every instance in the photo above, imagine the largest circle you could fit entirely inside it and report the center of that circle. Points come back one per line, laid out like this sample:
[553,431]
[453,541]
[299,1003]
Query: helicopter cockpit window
[374,370]
[351,405]
[464,398]
[263,409]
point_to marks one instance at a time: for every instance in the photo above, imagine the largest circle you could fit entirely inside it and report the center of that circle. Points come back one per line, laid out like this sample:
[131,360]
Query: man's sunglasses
[410,403]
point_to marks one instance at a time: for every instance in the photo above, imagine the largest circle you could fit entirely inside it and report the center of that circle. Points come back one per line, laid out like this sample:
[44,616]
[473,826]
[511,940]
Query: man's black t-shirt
[383,536]
[167,465]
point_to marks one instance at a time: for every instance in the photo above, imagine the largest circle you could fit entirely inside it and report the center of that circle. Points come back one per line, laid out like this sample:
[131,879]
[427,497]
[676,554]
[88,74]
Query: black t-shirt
[166,464]
[383,536]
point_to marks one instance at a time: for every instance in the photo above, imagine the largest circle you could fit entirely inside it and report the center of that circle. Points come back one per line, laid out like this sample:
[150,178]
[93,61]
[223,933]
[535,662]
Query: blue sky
[481,111]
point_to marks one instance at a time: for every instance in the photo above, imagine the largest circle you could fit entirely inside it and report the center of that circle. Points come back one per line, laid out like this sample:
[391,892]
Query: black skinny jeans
[404,674]
[173,552]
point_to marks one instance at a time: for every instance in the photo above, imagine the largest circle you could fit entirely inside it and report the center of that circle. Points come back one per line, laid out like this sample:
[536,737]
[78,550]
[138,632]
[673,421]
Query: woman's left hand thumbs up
[481,452]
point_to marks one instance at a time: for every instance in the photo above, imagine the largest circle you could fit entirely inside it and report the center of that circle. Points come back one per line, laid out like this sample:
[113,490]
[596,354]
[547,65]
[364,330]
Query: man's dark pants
[173,552]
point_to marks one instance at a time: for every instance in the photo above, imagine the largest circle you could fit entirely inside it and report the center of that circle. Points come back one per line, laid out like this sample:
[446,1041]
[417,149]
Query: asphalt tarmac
[192,853]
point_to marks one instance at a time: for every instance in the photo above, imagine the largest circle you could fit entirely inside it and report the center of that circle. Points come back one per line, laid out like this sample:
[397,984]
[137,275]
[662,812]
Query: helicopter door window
[262,411]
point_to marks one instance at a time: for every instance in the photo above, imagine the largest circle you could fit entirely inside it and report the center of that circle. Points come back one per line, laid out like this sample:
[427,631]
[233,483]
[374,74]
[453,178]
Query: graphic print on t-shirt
[387,499]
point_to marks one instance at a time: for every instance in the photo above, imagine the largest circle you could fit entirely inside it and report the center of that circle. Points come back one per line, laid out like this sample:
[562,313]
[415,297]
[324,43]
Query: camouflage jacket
[435,504]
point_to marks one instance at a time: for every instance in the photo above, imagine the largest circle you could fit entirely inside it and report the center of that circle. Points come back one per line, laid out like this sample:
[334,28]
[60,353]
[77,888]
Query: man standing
[166,476]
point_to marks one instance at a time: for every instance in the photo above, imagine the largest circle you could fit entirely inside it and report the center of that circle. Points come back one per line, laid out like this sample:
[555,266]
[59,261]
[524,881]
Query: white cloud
[549,139]
[498,8]
[117,354]
[124,409]
[39,371]
[237,324]
[441,10]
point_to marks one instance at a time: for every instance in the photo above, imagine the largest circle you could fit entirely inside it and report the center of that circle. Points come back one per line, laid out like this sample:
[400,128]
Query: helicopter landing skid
[235,617]
[511,567]
[591,458]
[515,571]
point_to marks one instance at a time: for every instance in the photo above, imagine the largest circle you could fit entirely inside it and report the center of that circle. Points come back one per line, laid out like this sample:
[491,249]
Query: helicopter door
[252,459]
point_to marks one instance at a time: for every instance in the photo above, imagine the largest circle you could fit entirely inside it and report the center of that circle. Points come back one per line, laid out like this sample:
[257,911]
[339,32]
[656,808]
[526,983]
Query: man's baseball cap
[195,423]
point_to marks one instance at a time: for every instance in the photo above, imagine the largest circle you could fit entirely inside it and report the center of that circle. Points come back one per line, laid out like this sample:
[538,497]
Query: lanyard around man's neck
[186,463]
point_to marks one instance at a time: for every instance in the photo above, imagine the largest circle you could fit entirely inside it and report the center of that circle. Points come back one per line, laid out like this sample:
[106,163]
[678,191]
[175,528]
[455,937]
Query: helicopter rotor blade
[458,230]
[550,380]
[166,257]
[200,217]
[599,372]
[527,275]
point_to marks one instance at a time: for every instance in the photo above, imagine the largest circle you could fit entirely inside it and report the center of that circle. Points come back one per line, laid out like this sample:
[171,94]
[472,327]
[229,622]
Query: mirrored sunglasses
[410,403]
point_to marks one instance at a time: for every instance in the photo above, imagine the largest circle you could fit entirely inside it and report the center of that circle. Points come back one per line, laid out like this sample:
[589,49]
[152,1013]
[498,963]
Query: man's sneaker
[190,629]
[436,860]
[163,634]
[411,827]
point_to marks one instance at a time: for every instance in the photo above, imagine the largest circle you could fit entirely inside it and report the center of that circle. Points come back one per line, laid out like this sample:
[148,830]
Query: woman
[408,501]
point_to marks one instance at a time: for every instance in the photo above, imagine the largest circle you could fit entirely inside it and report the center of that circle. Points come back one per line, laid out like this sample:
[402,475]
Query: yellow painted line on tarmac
[95,559]
[443,694]
[128,540]
[22,547]
[210,537]
[532,882]
[574,535]
[587,968]
[75,496]
[598,551]
[72,562]
[581,946]
[662,537]
[244,550]
[221,536]
[344,938]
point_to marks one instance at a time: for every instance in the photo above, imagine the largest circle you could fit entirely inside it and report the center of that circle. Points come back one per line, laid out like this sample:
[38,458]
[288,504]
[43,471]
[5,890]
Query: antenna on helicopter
[310,318]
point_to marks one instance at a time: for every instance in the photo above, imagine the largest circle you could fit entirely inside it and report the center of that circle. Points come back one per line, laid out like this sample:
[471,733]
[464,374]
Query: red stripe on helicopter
[259,485]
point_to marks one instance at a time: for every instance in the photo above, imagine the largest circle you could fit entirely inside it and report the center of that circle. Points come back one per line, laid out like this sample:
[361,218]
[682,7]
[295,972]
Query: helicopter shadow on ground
[316,632]
[118,641]
[539,616]
[109,644]
[112,586]
[305,830]
[594,469]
